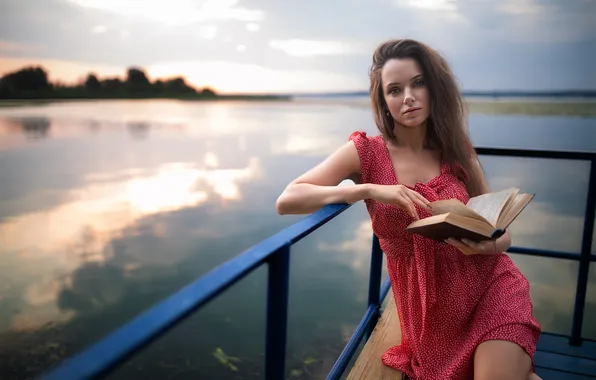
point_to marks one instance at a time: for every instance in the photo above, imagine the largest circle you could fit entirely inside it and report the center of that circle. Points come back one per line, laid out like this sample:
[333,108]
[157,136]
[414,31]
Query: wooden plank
[550,374]
[560,344]
[386,334]
[565,363]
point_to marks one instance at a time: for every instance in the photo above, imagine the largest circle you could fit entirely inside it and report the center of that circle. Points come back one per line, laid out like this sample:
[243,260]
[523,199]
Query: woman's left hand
[469,247]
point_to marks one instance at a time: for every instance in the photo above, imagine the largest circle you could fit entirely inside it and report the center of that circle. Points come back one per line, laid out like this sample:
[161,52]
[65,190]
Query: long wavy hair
[446,128]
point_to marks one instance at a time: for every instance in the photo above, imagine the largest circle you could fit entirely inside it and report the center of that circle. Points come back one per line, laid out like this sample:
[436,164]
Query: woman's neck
[413,138]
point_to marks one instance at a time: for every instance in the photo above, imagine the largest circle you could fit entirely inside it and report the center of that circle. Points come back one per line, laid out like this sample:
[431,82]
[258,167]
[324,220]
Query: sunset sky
[301,46]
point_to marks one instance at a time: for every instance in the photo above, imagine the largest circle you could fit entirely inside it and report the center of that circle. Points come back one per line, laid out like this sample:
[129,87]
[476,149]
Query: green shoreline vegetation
[31,84]
[526,106]
[532,107]
[529,107]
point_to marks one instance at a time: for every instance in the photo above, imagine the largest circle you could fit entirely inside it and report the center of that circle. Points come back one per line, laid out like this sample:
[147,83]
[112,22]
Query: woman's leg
[502,360]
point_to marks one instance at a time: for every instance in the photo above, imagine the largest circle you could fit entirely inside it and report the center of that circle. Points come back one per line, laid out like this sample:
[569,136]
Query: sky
[274,46]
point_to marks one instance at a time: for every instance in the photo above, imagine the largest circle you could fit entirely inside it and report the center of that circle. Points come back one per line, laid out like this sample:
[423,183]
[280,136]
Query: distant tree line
[33,83]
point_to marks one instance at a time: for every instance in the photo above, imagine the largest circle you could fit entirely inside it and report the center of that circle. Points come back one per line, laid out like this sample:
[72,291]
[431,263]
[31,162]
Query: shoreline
[488,106]
[474,105]
[21,101]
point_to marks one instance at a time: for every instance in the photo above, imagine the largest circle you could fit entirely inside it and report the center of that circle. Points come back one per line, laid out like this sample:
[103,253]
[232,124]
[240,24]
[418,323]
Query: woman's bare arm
[318,186]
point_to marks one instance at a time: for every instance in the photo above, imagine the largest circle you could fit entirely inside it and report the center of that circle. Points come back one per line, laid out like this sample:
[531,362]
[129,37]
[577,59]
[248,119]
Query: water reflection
[138,130]
[13,129]
[111,212]
[80,229]
[34,127]
[93,286]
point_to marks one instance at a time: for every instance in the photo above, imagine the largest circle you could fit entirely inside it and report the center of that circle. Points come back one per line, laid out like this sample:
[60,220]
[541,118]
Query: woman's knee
[501,360]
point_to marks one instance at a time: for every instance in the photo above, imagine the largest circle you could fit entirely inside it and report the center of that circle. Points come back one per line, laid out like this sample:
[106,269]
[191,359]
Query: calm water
[106,207]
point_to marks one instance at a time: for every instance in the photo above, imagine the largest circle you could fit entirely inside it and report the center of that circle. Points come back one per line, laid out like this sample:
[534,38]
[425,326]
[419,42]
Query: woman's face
[405,92]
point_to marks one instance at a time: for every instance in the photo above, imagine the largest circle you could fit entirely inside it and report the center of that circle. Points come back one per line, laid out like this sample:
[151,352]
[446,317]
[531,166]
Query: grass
[488,106]
[533,108]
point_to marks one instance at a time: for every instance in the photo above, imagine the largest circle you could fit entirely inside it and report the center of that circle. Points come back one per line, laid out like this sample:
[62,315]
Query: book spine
[497,233]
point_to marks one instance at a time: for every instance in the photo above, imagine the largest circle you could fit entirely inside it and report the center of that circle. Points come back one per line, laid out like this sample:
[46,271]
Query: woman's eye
[394,91]
[419,83]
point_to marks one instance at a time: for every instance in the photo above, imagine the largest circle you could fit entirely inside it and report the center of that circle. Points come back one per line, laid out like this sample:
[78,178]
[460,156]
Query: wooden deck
[387,333]
[555,359]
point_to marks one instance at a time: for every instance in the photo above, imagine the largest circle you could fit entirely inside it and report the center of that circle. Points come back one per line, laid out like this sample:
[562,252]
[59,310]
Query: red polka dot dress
[447,302]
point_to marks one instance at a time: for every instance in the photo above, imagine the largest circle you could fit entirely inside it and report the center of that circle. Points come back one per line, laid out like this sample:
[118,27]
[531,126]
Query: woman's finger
[472,244]
[454,243]
[419,200]
[483,246]
[421,197]
[464,248]
[408,205]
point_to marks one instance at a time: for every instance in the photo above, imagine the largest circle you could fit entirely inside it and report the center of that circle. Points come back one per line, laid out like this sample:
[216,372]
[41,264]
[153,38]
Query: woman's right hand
[400,196]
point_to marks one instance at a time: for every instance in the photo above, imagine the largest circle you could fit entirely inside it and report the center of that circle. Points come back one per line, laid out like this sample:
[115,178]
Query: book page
[514,209]
[454,206]
[490,205]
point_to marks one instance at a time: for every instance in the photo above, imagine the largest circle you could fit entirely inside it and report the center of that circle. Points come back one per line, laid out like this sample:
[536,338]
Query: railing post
[374,285]
[584,261]
[277,314]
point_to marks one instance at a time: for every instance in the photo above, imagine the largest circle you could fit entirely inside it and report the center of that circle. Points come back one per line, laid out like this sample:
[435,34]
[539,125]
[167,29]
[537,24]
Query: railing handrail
[105,355]
[583,155]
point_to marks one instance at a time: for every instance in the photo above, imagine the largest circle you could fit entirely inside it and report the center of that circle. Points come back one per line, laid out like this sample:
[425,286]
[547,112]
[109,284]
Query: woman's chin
[412,123]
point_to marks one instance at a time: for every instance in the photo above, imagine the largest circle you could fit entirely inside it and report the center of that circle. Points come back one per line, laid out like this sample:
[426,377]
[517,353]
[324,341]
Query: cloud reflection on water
[98,212]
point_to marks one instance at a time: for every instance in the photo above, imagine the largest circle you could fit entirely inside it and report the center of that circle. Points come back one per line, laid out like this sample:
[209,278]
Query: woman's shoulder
[363,139]
[367,148]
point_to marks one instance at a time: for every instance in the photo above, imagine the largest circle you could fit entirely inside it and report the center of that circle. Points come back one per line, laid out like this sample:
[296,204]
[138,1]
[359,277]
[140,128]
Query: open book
[484,217]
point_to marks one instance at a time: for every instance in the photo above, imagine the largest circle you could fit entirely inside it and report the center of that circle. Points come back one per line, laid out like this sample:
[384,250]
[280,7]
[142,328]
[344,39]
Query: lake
[106,207]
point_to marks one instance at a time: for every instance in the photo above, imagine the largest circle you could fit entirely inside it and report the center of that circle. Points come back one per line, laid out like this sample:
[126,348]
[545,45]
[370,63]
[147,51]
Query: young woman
[465,309]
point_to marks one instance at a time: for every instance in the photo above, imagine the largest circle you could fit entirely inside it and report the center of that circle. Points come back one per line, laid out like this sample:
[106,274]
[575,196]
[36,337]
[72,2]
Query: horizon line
[566,92]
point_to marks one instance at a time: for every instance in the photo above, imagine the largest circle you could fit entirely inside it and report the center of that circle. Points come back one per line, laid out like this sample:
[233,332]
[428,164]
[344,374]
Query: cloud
[523,7]
[447,9]
[305,48]
[438,5]
[533,21]
[15,47]
[208,32]
[175,12]
[99,29]
[238,77]
[253,27]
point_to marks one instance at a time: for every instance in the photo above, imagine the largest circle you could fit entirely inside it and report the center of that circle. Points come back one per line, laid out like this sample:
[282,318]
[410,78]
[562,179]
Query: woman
[465,309]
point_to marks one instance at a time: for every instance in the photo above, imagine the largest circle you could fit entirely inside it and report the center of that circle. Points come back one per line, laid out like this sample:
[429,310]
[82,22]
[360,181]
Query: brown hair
[446,127]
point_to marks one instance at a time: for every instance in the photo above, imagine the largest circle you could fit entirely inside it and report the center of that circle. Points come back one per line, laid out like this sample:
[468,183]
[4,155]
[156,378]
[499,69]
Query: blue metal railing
[109,353]
[585,256]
